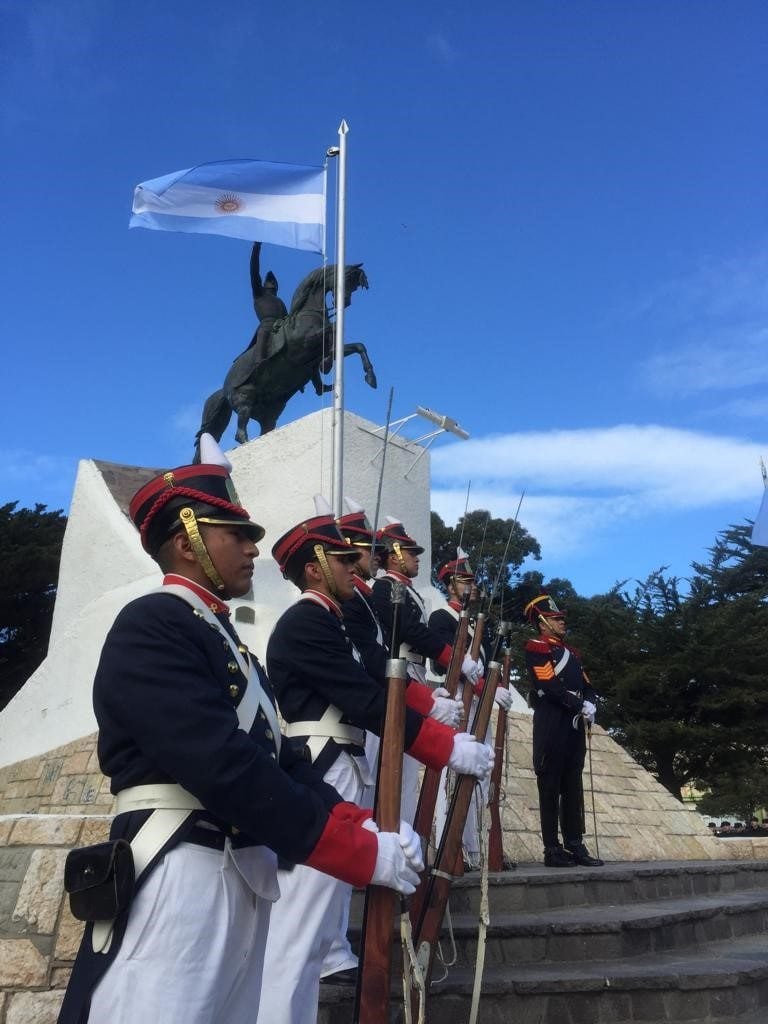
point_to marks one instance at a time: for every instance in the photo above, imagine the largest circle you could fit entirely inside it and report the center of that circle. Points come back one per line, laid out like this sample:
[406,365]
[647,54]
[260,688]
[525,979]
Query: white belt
[329,727]
[407,652]
[171,806]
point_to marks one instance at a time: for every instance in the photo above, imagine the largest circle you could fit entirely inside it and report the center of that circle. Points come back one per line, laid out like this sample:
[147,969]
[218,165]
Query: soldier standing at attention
[563,704]
[207,794]
[458,579]
[399,557]
[329,701]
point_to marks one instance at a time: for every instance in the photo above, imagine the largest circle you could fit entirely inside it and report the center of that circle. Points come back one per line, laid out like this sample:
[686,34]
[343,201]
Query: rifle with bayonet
[495,846]
[430,786]
[439,877]
[375,961]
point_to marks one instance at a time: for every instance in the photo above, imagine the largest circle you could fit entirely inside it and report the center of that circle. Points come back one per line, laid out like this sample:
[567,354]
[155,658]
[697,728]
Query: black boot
[581,856]
[557,857]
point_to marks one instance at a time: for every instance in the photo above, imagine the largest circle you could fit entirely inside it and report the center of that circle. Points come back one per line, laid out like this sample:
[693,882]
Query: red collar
[362,586]
[322,599]
[399,577]
[214,603]
[456,605]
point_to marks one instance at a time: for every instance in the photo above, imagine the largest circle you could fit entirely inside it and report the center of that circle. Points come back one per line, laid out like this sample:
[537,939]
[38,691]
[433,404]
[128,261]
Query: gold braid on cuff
[189,522]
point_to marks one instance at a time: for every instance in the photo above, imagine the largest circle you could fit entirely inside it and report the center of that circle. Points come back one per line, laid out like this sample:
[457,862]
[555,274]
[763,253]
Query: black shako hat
[297,547]
[205,489]
[458,568]
[394,534]
[543,605]
[355,529]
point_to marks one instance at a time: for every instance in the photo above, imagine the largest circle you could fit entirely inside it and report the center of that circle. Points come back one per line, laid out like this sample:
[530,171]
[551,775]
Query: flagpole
[340,302]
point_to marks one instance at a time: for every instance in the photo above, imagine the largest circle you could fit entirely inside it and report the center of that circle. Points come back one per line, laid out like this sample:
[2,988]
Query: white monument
[103,565]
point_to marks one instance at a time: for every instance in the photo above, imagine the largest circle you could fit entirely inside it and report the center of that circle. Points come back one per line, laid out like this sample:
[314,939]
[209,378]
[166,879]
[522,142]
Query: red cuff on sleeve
[419,698]
[479,686]
[433,744]
[444,657]
[346,811]
[346,850]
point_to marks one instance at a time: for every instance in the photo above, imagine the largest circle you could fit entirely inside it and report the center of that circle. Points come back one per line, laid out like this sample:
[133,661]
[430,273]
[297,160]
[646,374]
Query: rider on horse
[269,307]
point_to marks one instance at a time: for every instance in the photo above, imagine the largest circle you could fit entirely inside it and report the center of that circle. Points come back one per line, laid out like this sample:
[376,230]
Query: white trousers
[193,951]
[308,922]
[470,839]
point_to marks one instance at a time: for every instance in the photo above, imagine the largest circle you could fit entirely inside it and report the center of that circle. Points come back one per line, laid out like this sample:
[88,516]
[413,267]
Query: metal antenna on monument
[444,424]
[340,302]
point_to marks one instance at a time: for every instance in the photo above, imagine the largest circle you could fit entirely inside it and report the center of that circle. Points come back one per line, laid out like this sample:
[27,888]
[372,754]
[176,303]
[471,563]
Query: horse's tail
[217,413]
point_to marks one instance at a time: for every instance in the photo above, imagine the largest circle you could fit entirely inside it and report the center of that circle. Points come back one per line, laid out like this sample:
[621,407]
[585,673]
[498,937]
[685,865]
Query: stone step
[612,932]
[720,982]
[532,888]
[605,932]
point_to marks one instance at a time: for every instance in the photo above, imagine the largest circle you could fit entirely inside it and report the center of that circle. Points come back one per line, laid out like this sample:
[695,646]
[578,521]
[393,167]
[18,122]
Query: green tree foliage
[30,546]
[496,550]
[741,792]
[684,675]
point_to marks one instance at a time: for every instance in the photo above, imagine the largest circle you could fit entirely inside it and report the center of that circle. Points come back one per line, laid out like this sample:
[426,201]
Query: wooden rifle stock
[474,653]
[430,785]
[495,845]
[440,875]
[375,961]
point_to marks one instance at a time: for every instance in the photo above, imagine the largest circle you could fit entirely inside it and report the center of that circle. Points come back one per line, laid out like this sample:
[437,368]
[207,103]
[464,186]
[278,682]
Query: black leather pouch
[99,880]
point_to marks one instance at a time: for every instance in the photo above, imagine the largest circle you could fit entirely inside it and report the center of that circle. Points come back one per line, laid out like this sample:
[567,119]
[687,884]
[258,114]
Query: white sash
[254,697]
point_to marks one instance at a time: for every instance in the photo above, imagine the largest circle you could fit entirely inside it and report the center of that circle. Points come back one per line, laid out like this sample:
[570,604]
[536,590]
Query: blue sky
[561,208]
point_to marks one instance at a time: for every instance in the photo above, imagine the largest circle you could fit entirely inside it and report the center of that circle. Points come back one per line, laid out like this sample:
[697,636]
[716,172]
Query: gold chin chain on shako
[399,556]
[189,522]
[325,568]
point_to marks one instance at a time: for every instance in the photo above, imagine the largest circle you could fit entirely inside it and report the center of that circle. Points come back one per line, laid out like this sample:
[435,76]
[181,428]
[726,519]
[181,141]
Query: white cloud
[29,477]
[580,483]
[727,362]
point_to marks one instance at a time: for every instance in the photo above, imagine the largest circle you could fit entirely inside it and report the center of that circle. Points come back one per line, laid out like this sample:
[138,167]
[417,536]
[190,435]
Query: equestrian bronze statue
[297,350]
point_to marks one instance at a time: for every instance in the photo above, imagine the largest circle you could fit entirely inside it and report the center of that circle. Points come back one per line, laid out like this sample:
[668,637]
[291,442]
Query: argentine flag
[283,204]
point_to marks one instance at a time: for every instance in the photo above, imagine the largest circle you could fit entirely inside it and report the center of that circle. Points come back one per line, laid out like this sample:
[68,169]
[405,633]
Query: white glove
[503,698]
[588,711]
[445,709]
[469,757]
[411,844]
[393,868]
[470,669]
[370,825]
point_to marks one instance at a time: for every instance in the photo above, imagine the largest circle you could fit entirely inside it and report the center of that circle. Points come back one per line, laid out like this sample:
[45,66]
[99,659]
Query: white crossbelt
[254,697]
[170,804]
[329,727]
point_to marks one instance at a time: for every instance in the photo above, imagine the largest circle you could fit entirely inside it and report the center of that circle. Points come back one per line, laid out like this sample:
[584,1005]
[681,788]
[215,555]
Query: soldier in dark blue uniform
[207,793]
[399,557]
[458,579]
[367,633]
[330,701]
[564,706]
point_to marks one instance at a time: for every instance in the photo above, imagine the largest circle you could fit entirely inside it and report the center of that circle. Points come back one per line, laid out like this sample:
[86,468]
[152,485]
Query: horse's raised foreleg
[216,414]
[358,348]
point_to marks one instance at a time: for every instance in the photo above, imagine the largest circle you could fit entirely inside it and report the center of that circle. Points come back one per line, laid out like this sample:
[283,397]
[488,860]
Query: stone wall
[39,937]
[49,804]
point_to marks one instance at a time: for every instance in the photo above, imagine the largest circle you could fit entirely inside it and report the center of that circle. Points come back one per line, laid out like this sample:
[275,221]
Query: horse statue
[299,349]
